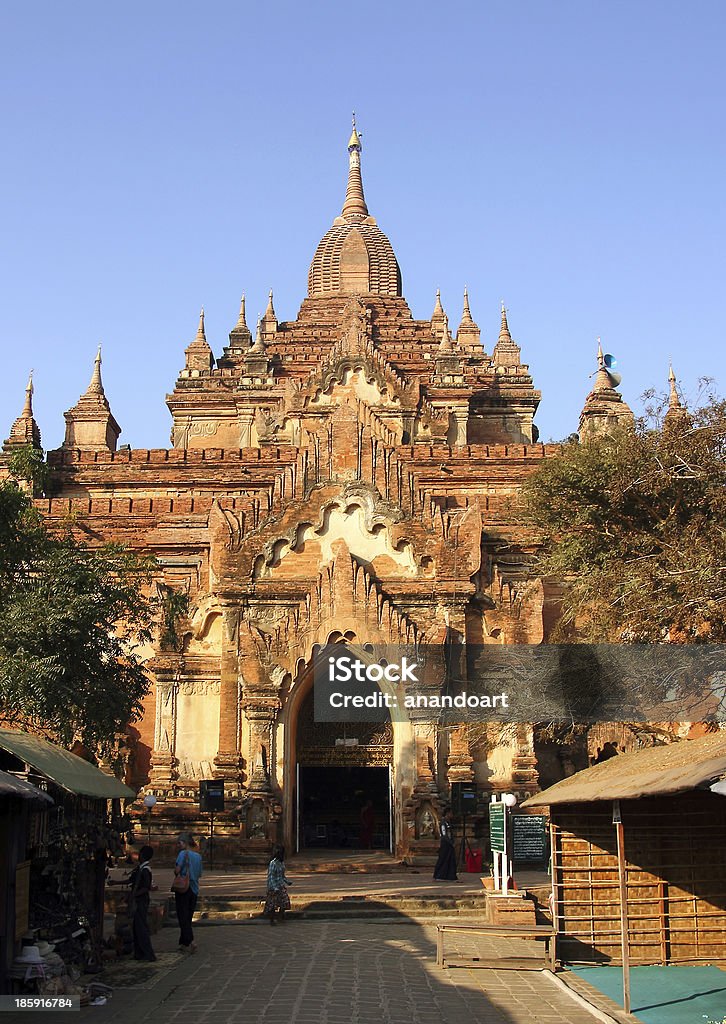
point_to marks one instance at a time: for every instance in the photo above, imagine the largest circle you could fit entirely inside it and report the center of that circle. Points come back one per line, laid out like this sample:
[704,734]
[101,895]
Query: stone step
[343,906]
[324,906]
[347,867]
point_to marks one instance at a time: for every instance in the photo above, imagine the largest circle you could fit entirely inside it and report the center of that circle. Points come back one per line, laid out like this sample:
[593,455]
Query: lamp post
[149,804]
[509,800]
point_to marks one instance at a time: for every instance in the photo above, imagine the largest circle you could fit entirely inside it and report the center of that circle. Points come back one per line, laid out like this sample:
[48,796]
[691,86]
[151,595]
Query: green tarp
[674,994]
[65,769]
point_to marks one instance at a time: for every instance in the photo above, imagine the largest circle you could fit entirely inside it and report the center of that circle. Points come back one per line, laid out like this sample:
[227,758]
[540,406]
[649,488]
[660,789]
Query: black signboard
[463,797]
[529,837]
[211,795]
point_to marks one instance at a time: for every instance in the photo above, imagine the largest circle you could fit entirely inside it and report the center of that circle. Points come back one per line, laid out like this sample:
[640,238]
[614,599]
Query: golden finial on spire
[354,140]
[354,207]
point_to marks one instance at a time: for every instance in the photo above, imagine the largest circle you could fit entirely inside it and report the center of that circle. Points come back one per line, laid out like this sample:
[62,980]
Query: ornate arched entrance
[330,771]
[344,776]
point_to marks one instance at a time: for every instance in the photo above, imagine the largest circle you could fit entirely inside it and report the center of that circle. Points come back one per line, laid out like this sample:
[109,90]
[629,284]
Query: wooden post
[618,822]
[555,892]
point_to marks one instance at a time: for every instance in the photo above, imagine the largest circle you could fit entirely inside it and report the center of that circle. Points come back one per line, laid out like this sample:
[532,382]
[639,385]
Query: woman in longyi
[445,870]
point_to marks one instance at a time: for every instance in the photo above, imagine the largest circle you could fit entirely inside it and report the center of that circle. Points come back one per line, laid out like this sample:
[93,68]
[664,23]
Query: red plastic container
[473,861]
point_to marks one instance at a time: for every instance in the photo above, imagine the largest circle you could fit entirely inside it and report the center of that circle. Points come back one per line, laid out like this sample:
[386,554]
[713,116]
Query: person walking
[277,894]
[142,884]
[445,870]
[187,871]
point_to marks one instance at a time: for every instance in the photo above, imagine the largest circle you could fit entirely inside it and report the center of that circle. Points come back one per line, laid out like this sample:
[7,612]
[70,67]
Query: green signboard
[529,837]
[496,827]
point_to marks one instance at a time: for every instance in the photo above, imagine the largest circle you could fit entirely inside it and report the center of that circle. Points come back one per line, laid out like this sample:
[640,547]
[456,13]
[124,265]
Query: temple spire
[24,430]
[269,320]
[259,345]
[603,381]
[468,335]
[354,207]
[95,386]
[446,344]
[241,324]
[676,413]
[438,316]
[506,351]
[90,424]
[28,404]
[198,355]
[466,317]
[504,335]
[605,409]
[201,336]
[674,401]
[239,339]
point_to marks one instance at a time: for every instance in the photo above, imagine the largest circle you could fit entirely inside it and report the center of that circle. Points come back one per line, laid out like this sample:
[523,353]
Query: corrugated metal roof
[12,786]
[652,771]
[67,770]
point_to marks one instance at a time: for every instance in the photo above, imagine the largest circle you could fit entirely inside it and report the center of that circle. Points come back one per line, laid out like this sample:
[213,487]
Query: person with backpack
[187,872]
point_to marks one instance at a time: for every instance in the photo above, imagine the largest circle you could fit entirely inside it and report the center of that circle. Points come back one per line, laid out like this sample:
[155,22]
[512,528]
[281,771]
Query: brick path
[329,972]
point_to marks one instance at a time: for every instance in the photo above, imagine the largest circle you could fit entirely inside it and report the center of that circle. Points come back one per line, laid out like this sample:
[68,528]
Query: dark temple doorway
[344,808]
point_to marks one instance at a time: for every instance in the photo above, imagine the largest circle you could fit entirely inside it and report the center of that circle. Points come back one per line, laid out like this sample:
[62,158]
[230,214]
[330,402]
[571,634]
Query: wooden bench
[541,932]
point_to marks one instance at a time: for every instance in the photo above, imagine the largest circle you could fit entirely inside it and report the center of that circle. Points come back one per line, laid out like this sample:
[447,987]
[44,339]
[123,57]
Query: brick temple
[348,476]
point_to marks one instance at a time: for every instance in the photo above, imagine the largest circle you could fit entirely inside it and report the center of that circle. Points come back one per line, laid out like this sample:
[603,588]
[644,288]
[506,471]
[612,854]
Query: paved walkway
[344,972]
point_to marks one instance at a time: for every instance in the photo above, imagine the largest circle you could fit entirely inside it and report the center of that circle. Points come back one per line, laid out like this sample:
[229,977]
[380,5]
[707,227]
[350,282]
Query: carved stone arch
[333,372]
[201,615]
[279,547]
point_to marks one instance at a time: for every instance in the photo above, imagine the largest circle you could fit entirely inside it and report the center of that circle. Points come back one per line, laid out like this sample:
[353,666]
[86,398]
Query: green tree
[635,525]
[72,619]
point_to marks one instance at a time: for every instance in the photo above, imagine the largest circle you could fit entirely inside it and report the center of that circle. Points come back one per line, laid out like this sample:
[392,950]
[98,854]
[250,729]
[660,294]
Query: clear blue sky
[566,156]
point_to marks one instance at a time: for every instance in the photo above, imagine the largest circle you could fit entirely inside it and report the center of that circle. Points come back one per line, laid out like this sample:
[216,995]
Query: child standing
[277,895]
